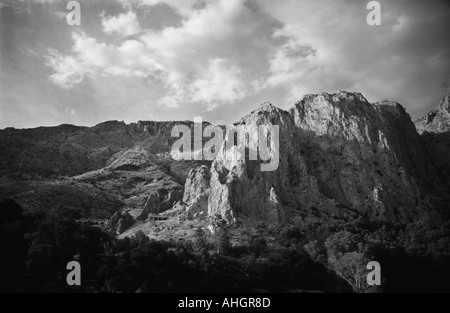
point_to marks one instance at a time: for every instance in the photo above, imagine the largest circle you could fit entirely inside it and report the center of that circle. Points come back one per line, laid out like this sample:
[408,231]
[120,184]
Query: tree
[347,258]
[201,242]
[222,241]
[350,267]
[316,252]
[257,246]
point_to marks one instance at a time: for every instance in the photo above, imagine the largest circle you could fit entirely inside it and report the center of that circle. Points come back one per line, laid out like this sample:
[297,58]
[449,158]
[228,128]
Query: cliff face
[239,187]
[367,157]
[437,121]
[339,157]
[434,128]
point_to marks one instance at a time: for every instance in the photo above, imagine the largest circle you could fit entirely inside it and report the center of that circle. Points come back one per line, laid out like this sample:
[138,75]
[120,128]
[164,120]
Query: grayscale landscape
[358,179]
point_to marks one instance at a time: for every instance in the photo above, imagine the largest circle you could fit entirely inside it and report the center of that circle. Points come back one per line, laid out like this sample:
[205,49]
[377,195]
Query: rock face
[367,157]
[196,194]
[438,120]
[192,200]
[339,157]
[434,128]
[197,182]
[161,200]
[120,222]
[239,187]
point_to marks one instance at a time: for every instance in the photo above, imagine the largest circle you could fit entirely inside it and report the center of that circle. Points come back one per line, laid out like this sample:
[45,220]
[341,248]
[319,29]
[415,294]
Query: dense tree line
[36,246]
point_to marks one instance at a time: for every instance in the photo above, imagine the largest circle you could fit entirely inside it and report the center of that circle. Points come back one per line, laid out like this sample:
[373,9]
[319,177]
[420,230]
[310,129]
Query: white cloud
[220,82]
[92,58]
[125,24]
[68,71]
[224,51]
[183,7]
[214,57]
[338,50]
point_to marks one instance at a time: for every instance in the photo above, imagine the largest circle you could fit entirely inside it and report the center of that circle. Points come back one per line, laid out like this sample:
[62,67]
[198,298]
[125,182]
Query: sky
[136,60]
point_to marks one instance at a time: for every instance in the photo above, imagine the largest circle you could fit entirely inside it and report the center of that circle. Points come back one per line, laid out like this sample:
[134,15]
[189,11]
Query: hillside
[96,170]
[341,159]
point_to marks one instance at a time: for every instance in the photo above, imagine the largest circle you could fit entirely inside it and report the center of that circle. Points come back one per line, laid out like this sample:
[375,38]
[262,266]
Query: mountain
[95,171]
[341,158]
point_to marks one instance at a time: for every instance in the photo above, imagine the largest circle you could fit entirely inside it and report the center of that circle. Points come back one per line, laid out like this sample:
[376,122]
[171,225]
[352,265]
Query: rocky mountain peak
[438,120]
[266,113]
[340,97]
[342,114]
[267,106]
[434,128]
[445,103]
[339,155]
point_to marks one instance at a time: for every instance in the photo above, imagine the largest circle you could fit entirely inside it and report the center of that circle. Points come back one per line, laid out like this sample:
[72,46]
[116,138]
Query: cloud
[220,82]
[46,1]
[399,60]
[68,71]
[125,24]
[183,7]
[221,53]
[91,58]
[222,40]
[214,57]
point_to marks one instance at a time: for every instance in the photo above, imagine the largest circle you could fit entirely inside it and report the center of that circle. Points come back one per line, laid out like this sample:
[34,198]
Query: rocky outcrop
[197,182]
[239,187]
[197,192]
[434,128]
[437,121]
[120,222]
[194,202]
[339,157]
[161,200]
[367,157]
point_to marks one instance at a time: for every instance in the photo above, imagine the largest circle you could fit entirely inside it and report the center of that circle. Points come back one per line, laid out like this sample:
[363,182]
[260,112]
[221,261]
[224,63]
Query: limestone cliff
[434,128]
[339,157]
[437,121]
